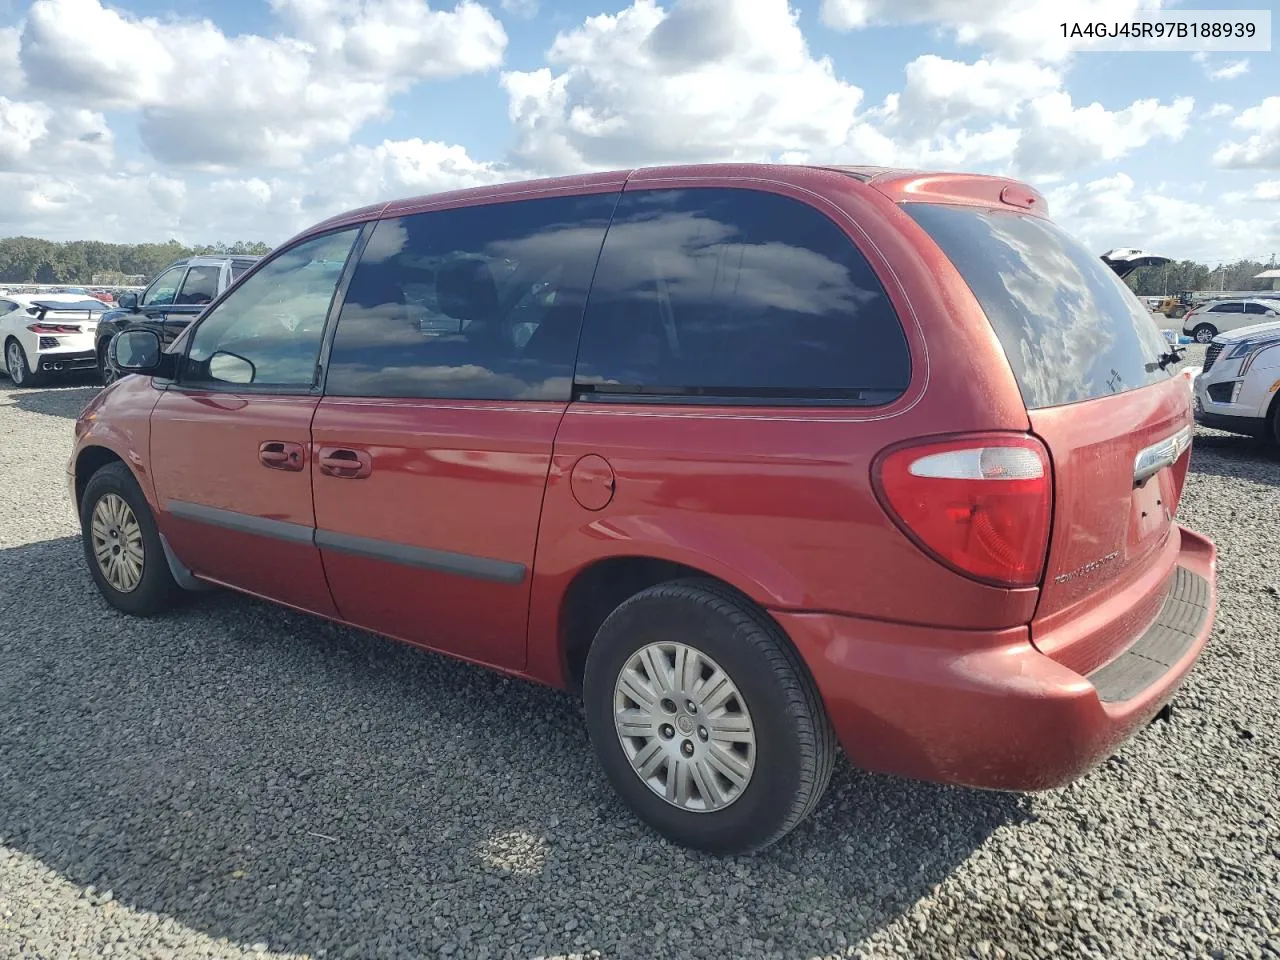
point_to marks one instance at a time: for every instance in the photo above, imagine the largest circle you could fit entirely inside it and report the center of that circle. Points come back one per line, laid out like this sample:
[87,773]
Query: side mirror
[138,351]
[231,368]
[127,301]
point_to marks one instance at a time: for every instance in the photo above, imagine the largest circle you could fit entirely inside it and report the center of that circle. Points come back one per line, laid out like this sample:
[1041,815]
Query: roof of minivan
[897,183]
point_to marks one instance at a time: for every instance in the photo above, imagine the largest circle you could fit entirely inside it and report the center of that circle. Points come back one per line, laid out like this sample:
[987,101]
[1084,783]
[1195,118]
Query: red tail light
[981,504]
[53,328]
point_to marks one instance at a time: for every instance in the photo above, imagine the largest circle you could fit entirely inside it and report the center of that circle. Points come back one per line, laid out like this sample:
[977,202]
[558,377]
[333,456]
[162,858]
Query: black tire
[1275,421]
[794,743]
[106,369]
[1204,332]
[1177,313]
[20,371]
[156,590]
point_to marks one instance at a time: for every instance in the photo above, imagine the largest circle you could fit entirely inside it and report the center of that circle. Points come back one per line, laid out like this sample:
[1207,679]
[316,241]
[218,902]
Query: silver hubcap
[684,726]
[17,369]
[117,543]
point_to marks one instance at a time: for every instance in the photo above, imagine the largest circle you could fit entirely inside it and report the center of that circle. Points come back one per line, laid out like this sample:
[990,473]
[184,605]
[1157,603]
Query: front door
[449,373]
[231,439]
[157,300]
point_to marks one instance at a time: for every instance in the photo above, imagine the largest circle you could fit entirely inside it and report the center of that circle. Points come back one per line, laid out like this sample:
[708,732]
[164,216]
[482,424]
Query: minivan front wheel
[1204,333]
[705,719]
[122,544]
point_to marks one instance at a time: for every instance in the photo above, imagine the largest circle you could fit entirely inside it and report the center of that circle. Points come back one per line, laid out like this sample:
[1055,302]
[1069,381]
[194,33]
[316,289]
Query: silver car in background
[1238,388]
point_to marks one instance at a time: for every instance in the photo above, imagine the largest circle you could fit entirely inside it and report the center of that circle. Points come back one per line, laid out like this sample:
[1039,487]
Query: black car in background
[174,298]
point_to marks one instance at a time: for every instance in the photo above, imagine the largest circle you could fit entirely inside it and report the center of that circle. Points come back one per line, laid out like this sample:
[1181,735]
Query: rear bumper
[65,360]
[987,709]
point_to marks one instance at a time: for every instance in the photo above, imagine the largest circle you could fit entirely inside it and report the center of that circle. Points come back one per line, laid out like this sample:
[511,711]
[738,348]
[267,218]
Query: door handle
[344,463]
[281,455]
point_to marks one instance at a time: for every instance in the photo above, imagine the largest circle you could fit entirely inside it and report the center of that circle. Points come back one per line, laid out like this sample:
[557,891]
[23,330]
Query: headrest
[465,289]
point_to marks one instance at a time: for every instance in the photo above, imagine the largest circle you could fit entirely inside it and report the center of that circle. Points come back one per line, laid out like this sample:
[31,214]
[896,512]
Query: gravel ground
[239,780]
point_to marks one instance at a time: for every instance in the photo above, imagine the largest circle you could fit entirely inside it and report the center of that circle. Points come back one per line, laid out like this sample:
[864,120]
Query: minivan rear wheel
[705,719]
[1204,333]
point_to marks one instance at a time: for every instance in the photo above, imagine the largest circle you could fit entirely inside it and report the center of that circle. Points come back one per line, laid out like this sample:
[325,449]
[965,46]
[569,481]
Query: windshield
[1069,326]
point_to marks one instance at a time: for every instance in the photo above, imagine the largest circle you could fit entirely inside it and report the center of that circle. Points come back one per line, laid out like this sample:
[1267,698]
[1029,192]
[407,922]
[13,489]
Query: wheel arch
[599,587]
[9,337]
[1272,420]
[89,461]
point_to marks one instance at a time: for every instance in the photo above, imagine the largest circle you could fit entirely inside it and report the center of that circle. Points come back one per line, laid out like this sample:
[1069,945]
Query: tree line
[30,260]
[1189,275]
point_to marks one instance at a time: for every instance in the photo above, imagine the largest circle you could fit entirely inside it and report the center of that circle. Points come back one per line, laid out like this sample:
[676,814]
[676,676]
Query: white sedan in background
[1238,389]
[47,333]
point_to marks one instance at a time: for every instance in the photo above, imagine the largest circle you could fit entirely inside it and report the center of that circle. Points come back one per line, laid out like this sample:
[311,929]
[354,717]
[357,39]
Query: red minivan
[762,461]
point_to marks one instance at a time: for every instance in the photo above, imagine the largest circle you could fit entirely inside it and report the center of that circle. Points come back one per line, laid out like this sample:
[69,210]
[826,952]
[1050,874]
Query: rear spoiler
[45,307]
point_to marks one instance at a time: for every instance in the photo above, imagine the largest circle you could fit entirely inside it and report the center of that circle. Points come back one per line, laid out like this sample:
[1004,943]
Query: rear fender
[679,539]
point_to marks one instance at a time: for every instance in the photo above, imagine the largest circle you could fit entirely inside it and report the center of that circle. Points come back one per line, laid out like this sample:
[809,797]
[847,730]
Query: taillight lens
[980,504]
[53,328]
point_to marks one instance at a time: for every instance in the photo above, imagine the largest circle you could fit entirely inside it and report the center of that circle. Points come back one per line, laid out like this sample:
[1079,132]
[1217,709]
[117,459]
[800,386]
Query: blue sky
[208,120]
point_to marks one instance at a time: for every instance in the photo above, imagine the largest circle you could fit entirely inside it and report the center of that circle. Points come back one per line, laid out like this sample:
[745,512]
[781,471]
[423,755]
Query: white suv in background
[1238,389]
[1218,316]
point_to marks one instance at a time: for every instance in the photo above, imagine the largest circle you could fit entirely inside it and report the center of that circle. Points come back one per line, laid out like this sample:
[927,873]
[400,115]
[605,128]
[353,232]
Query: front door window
[163,288]
[267,332]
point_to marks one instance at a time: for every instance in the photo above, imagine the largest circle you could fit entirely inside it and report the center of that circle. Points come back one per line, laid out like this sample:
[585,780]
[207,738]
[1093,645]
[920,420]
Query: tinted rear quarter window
[737,294]
[200,285]
[1070,328]
[480,303]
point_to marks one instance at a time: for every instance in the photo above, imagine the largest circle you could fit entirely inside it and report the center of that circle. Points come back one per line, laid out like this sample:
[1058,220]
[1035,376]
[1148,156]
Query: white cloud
[521,8]
[34,136]
[1113,212]
[263,128]
[1228,71]
[11,81]
[704,80]
[1058,137]
[940,91]
[1013,28]
[22,125]
[1264,190]
[990,150]
[376,39]
[1267,190]
[211,100]
[1263,148]
[136,207]
[714,80]
[98,206]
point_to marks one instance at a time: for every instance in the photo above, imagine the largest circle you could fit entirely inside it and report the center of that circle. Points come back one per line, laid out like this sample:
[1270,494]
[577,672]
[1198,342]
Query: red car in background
[760,460]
